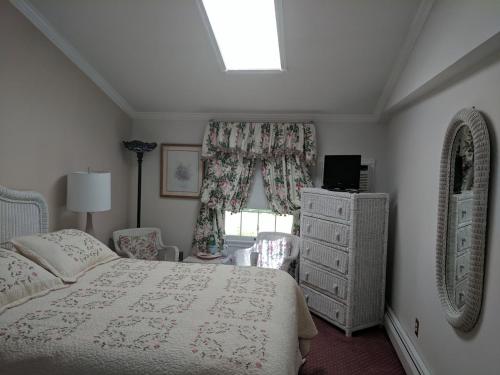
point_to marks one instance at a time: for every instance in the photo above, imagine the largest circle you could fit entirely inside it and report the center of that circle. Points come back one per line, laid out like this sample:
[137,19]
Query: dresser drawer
[325,230]
[324,305]
[325,255]
[326,205]
[329,283]
[462,266]
[460,290]
[464,211]
[463,238]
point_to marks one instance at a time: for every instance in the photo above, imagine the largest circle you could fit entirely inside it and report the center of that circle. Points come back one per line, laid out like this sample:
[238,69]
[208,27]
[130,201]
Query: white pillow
[68,253]
[22,280]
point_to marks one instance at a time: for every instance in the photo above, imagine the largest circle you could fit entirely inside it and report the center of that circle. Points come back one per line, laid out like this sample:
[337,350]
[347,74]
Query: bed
[129,316]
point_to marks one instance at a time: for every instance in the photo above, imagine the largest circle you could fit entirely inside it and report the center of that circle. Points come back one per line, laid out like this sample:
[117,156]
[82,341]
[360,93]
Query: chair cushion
[22,280]
[68,253]
[140,247]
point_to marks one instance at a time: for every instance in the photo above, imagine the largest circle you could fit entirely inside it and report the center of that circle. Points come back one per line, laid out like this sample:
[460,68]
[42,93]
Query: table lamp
[89,192]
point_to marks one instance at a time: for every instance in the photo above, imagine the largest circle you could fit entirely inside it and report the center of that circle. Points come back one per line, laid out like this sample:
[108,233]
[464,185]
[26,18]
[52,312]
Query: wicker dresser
[459,242]
[343,256]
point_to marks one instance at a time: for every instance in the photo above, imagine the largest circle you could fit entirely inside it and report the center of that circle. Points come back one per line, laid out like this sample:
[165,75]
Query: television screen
[341,172]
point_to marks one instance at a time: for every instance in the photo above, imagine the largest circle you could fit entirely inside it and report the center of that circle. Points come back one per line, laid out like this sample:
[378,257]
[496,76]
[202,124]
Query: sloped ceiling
[157,54]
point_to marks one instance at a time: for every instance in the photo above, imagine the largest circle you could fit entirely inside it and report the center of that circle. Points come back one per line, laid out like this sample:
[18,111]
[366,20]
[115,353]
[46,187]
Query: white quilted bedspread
[139,317]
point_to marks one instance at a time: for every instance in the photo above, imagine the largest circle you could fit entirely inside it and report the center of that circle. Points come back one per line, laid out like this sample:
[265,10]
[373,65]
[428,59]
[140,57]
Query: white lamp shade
[89,191]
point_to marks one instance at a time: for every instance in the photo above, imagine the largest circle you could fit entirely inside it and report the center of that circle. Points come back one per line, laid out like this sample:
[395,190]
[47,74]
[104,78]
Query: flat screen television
[341,172]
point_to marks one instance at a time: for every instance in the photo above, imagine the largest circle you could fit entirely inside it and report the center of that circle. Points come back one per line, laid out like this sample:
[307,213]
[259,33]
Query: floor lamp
[139,148]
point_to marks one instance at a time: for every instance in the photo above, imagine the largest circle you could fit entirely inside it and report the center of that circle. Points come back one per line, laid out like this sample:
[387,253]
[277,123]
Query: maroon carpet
[368,352]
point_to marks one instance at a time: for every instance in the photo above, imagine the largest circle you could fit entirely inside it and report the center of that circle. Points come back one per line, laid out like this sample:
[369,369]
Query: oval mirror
[462,216]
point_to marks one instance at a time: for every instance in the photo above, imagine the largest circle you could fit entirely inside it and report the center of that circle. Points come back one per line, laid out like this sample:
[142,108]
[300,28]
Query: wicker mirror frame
[466,317]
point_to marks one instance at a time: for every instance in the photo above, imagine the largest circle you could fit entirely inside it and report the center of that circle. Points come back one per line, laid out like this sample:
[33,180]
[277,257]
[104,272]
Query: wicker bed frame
[21,213]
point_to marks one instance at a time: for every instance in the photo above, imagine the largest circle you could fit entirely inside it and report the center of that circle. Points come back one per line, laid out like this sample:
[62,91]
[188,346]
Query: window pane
[232,224]
[266,222]
[257,194]
[284,223]
[249,224]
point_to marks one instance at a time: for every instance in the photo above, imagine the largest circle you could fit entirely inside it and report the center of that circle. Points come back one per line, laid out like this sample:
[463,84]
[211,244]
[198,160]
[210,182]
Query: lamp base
[89,228]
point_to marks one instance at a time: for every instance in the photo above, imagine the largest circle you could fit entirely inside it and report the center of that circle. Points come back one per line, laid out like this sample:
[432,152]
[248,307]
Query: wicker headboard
[21,213]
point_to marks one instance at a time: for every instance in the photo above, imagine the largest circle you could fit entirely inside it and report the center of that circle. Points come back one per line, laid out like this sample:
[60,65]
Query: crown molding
[406,50]
[45,27]
[255,116]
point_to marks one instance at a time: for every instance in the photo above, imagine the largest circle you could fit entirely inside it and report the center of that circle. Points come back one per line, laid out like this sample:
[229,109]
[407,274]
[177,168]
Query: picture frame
[181,170]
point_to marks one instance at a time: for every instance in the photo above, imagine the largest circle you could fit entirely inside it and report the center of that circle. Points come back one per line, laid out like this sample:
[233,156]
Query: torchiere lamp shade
[89,191]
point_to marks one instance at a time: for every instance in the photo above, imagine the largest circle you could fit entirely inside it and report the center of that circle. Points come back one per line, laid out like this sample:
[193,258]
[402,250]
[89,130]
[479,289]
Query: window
[246,33]
[258,218]
[249,222]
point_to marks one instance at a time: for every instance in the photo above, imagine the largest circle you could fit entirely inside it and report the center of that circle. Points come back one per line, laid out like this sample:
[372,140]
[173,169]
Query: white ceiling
[157,54]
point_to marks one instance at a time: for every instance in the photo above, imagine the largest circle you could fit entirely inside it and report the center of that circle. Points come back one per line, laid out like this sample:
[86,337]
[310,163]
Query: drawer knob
[340,210]
[463,241]
[464,213]
[461,297]
[337,262]
[461,267]
[307,276]
[336,289]
[336,314]
[337,237]
[310,205]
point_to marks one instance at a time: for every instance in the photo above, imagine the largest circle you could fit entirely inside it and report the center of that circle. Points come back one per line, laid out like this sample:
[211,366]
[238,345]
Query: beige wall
[176,216]
[414,141]
[54,120]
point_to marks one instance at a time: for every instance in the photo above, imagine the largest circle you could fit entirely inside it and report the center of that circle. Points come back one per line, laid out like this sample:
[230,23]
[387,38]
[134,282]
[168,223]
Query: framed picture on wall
[181,171]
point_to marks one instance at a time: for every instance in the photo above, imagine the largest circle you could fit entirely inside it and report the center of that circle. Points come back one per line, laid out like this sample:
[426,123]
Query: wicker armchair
[168,253]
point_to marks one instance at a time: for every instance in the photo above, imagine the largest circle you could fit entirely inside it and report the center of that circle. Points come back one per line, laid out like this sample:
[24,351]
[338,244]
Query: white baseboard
[408,355]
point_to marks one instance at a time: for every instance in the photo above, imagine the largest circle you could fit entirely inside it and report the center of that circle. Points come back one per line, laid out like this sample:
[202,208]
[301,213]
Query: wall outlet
[417,326]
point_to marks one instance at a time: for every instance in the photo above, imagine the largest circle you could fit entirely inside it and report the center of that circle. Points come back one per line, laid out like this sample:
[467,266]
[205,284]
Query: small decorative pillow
[140,247]
[68,253]
[22,280]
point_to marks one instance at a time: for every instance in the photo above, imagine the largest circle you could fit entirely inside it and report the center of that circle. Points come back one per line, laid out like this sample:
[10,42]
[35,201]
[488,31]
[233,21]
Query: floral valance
[260,140]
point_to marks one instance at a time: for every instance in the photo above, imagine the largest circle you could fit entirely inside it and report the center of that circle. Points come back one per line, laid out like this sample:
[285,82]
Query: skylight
[246,33]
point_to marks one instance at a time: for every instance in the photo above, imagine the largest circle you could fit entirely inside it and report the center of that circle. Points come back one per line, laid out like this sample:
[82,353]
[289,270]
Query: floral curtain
[260,140]
[225,188]
[284,179]
[464,170]
[210,222]
[230,149]
[227,181]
